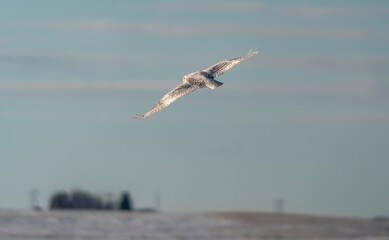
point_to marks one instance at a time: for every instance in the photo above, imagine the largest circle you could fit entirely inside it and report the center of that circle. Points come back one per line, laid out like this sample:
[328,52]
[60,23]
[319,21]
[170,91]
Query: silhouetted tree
[84,200]
[78,199]
[126,202]
[60,200]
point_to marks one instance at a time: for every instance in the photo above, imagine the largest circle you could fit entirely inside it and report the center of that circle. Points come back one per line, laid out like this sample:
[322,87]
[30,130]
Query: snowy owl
[196,80]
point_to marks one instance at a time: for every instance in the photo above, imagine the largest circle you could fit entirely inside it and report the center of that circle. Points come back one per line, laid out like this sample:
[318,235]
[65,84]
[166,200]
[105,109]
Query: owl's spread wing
[224,66]
[180,91]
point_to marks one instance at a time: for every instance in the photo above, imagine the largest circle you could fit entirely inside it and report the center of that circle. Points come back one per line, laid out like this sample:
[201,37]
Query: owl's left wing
[224,66]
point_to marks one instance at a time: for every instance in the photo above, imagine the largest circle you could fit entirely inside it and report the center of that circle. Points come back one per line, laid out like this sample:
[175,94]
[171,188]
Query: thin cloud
[4,39]
[82,85]
[218,6]
[190,29]
[74,115]
[310,11]
[82,26]
[363,88]
[52,92]
[341,118]
[66,115]
[344,63]
[28,58]
[78,60]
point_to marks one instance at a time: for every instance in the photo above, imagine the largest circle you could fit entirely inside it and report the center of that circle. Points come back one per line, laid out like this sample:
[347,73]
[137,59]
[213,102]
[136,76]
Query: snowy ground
[82,225]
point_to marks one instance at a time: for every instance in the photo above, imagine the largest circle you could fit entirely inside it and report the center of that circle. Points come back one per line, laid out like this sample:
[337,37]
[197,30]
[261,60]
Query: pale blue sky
[307,119]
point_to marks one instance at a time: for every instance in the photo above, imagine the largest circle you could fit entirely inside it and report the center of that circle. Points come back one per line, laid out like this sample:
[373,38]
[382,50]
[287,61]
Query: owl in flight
[196,80]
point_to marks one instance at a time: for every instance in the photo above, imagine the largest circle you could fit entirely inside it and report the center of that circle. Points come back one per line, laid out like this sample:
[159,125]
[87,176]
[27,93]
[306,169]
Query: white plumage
[195,80]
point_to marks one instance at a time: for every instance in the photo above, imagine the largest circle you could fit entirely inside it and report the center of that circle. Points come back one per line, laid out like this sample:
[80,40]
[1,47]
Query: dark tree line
[79,199]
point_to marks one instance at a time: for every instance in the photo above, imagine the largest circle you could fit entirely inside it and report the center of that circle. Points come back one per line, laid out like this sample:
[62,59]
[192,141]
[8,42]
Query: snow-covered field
[82,225]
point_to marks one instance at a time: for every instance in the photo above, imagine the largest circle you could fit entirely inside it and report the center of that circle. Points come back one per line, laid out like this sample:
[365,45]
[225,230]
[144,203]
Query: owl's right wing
[178,92]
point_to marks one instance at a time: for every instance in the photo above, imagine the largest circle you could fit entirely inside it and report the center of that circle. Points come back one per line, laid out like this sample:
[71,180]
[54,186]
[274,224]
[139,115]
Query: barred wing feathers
[180,91]
[224,66]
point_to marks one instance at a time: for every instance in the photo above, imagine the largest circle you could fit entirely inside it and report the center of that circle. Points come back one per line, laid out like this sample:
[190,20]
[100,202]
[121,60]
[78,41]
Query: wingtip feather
[253,52]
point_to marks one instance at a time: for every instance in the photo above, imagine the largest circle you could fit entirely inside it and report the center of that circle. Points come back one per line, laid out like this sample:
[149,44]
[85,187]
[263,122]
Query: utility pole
[34,197]
[157,201]
[279,205]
